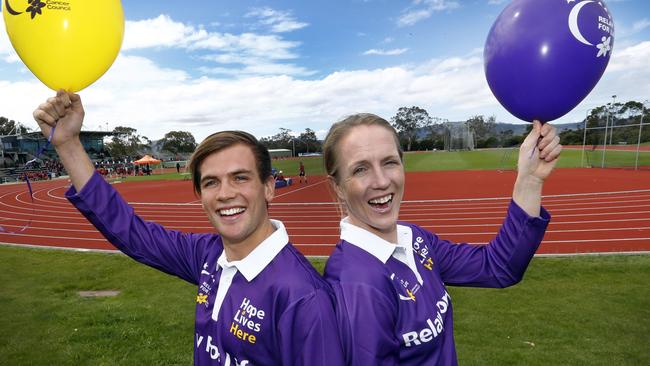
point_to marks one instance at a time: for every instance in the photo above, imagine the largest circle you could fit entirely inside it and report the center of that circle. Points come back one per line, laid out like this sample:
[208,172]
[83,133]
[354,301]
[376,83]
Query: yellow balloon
[67,44]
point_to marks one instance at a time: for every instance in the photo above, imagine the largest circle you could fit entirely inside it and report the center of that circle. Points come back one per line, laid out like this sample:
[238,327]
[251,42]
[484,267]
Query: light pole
[584,139]
[602,163]
[638,142]
[611,133]
[609,115]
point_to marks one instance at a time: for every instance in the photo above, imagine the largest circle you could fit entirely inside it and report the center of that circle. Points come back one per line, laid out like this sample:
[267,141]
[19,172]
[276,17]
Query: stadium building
[16,150]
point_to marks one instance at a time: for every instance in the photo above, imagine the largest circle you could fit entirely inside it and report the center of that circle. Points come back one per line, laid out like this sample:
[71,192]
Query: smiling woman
[389,278]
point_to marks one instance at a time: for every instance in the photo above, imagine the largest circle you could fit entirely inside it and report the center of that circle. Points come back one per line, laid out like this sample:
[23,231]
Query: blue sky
[203,66]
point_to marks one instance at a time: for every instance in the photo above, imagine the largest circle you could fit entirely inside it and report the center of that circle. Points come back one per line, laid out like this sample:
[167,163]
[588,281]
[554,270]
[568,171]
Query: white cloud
[244,53]
[413,17]
[278,21]
[259,68]
[161,31]
[640,25]
[381,52]
[137,92]
[423,9]
[165,32]
[627,76]
[631,59]
[7,53]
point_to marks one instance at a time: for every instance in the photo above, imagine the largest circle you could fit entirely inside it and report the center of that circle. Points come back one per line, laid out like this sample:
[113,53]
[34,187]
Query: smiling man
[259,301]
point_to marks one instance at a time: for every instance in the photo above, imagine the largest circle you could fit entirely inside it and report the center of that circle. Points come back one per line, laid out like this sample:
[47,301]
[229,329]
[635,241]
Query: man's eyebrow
[241,171]
[235,172]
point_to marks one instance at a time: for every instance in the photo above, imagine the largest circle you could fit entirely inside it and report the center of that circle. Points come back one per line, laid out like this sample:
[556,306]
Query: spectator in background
[281,177]
[178,167]
[301,172]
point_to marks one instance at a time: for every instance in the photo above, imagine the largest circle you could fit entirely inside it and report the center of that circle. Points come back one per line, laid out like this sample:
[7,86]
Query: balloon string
[29,185]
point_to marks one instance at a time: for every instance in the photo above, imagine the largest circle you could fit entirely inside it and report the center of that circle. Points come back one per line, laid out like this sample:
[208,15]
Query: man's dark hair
[222,140]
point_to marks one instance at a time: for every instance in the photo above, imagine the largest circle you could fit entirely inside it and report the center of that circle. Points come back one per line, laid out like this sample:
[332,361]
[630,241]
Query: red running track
[594,210]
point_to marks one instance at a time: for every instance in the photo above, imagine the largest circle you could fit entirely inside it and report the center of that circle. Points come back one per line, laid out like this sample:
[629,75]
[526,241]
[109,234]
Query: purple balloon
[543,57]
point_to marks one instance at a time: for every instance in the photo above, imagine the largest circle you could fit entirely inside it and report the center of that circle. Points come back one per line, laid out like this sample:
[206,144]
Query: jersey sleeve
[367,319]
[170,251]
[308,333]
[500,263]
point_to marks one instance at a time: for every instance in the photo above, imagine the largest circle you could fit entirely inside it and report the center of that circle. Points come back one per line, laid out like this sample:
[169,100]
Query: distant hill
[517,129]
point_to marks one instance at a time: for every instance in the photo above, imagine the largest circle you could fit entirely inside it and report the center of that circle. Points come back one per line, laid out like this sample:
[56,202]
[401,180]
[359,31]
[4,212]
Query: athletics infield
[593,210]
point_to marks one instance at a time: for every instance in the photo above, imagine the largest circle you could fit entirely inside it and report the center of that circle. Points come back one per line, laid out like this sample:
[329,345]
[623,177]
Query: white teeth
[381,200]
[232,211]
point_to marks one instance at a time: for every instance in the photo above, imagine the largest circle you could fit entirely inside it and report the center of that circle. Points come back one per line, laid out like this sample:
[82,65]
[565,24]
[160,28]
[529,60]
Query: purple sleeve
[308,332]
[502,262]
[170,251]
[367,321]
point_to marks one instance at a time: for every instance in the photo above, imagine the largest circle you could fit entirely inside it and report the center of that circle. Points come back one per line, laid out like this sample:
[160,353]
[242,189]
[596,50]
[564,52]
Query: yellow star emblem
[410,294]
[201,299]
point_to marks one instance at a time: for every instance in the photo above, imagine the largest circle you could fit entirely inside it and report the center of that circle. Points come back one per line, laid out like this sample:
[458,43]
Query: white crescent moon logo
[573,22]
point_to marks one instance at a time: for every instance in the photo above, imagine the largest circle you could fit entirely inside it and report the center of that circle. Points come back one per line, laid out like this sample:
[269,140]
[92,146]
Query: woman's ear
[336,188]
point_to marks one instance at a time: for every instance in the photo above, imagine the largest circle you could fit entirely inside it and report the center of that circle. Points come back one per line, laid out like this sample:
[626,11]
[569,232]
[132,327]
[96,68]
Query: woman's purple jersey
[392,305]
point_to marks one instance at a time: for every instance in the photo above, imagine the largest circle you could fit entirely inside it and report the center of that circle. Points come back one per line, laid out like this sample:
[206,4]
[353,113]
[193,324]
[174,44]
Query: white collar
[372,243]
[251,265]
[380,248]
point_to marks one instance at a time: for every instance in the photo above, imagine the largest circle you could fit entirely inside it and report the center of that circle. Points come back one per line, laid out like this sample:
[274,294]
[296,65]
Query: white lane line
[300,189]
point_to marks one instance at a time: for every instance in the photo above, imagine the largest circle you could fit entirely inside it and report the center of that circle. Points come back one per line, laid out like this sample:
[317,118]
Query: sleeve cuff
[520,215]
[95,181]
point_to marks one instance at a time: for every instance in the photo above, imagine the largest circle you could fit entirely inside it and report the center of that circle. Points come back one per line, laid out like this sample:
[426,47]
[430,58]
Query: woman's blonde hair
[341,129]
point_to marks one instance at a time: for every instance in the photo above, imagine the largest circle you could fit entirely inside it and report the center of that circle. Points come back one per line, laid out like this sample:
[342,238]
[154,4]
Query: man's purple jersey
[392,305]
[270,308]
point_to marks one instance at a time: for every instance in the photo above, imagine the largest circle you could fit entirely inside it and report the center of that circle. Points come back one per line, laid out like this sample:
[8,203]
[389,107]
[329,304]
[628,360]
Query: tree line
[126,142]
[621,121]
[416,128]
[420,131]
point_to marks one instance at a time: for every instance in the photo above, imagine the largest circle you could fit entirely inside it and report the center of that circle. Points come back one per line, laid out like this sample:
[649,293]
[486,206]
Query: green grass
[313,165]
[156,176]
[616,158]
[576,311]
[45,322]
[505,159]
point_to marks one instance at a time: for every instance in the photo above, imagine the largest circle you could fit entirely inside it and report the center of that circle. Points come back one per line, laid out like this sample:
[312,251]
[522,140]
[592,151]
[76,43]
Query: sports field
[568,310]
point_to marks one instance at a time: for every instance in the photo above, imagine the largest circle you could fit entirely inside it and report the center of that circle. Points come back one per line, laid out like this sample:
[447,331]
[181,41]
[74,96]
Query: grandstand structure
[17,149]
